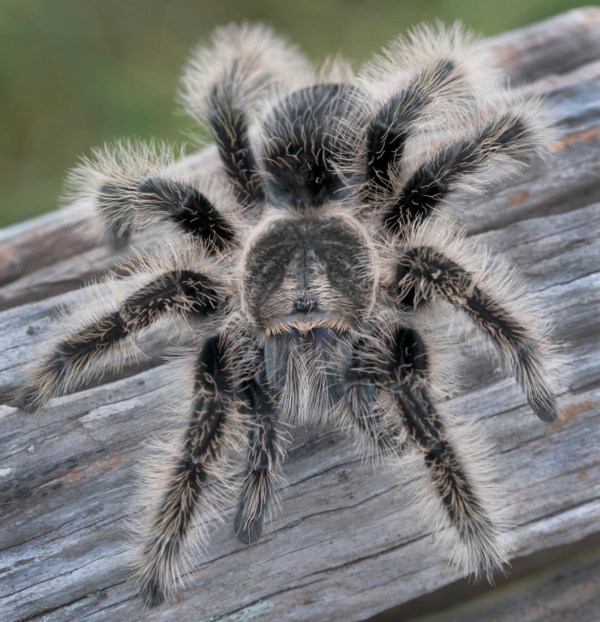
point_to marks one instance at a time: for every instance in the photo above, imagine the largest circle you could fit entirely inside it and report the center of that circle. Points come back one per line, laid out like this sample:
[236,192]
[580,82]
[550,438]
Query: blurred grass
[78,73]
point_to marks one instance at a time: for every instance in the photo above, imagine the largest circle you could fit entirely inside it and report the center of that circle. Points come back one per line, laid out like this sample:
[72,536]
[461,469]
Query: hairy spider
[309,277]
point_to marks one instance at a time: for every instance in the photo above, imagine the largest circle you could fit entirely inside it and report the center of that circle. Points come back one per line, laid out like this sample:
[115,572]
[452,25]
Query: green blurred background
[78,73]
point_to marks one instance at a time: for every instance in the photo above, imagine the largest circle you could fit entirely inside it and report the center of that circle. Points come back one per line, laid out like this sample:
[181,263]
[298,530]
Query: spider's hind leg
[224,82]
[410,88]
[438,119]
[507,137]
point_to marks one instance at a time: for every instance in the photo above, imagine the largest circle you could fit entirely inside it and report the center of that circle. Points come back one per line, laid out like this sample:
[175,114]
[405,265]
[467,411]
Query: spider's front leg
[195,479]
[370,411]
[77,358]
[429,267]
[226,415]
[401,376]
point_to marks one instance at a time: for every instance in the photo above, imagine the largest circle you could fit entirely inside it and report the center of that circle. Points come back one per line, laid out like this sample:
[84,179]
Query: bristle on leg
[131,186]
[195,482]
[73,360]
[481,544]
[226,81]
[504,142]
[266,452]
[494,300]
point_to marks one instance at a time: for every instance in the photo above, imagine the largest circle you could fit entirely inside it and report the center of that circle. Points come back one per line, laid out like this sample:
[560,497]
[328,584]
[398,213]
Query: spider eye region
[301,274]
[306,304]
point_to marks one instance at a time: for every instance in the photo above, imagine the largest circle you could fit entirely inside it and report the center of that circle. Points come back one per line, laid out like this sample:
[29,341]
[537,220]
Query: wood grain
[348,543]
[557,594]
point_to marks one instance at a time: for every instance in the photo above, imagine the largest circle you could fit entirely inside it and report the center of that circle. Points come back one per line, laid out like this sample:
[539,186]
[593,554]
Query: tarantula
[308,278]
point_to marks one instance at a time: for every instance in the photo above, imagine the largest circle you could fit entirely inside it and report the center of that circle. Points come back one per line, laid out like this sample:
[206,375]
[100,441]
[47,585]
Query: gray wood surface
[557,594]
[348,542]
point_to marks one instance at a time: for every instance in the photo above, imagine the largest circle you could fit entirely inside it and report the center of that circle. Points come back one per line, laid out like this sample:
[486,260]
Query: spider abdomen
[299,156]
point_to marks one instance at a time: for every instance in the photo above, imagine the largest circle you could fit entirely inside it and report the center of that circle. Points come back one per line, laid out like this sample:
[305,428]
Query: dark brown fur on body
[307,280]
[309,266]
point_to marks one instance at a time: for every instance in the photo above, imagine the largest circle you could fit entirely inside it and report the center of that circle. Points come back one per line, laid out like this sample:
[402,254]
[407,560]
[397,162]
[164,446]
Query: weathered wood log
[348,542]
[523,595]
[557,594]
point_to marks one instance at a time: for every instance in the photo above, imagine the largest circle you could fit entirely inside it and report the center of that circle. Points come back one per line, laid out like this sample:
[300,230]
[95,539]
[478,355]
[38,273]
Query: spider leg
[409,88]
[266,452]
[73,359]
[222,82]
[230,129]
[447,113]
[199,479]
[413,421]
[485,549]
[369,409]
[425,272]
[393,123]
[502,143]
[130,188]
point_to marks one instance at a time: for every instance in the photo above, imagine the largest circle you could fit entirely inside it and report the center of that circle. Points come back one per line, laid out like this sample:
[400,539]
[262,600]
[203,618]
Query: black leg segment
[393,123]
[466,511]
[506,137]
[183,292]
[229,125]
[194,478]
[266,452]
[188,208]
[430,273]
